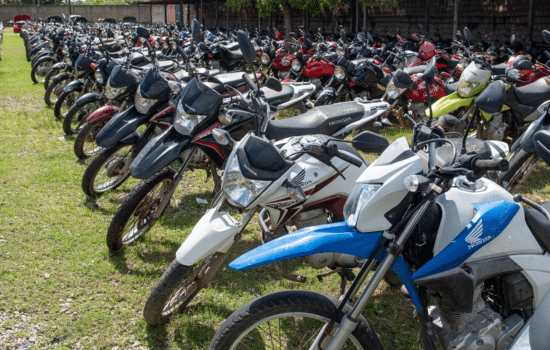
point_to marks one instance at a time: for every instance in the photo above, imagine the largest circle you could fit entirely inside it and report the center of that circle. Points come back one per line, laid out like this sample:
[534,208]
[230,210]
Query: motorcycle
[472,259]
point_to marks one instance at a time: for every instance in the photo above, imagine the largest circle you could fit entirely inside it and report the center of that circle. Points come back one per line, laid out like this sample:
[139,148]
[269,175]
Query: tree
[267,7]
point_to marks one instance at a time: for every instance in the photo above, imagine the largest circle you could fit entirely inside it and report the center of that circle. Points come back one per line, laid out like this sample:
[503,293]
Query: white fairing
[472,74]
[457,209]
[391,176]
[213,233]
[371,109]
[536,268]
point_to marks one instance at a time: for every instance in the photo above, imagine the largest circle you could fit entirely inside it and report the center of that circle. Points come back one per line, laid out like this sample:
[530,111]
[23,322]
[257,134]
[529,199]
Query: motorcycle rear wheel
[178,286]
[287,320]
[134,216]
[104,172]
[84,144]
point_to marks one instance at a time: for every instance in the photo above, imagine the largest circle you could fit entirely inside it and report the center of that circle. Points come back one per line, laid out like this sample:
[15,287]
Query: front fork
[335,338]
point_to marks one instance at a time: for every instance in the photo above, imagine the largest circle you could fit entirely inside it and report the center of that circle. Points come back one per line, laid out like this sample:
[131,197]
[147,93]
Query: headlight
[357,199]
[296,65]
[111,93]
[198,55]
[143,104]
[285,61]
[265,59]
[165,45]
[465,88]
[51,44]
[240,190]
[393,91]
[339,73]
[173,45]
[185,123]
[283,74]
[67,60]
[98,76]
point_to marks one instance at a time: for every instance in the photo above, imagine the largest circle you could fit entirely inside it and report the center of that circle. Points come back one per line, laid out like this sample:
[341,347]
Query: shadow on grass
[156,336]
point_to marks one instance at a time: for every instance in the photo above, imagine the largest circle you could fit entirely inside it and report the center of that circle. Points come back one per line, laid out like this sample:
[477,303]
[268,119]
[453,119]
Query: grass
[55,267]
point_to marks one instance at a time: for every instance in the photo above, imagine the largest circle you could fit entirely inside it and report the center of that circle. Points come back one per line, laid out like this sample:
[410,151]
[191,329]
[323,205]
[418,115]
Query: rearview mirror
[110,33]
[274,84]
[419,26]
[143,32]
[546,36]
[513,40]
[522,64]
[370,142]
[246,46]
[467,33]
[195,30]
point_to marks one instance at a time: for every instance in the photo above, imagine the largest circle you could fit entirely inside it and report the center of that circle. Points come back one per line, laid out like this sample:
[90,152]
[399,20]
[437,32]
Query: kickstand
[345,275]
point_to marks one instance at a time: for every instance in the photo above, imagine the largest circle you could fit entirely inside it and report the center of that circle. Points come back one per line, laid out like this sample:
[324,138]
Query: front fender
[215,232]
[59,65]
[448,104]
[102,114]
[158,153]
[331,238]
[121,125]
[87,98]
[75,85]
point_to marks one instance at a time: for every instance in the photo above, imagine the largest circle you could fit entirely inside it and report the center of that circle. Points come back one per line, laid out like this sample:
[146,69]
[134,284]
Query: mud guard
[214,232]
[331,238]
[75,85]
[132,138]
[59,65]
[102,114]
[121,125]
[158,153]
[87,98]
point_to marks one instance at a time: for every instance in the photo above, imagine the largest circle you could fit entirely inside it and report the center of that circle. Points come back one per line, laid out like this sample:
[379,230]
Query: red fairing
[102,114]
[283,61]
[316,69]
[419,93]
[426,51]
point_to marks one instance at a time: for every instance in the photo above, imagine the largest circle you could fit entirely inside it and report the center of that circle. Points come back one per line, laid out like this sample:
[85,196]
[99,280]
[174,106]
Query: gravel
[20,331]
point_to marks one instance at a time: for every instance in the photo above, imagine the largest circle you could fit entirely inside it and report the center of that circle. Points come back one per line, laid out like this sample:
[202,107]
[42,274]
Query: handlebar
[249,82]
[485,164]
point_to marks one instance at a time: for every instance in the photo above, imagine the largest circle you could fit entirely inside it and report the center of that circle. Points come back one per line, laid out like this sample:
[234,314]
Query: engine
[482,329]
[321,260]
[494,130]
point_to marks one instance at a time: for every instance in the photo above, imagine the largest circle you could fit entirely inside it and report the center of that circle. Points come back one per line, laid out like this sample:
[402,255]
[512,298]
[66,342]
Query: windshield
[396,151]
[198,98]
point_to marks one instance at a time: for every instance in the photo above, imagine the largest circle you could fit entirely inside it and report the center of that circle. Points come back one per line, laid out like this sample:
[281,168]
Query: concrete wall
[497,16]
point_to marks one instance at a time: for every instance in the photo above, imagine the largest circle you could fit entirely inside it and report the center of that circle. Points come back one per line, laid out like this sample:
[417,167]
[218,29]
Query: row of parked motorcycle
[436,215]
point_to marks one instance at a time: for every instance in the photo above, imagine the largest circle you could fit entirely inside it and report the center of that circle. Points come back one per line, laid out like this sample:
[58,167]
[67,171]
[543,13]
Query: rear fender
[102,114]
[121,125]
[215,232]
[448,104]
[75,85]
[158,153]
[331,238]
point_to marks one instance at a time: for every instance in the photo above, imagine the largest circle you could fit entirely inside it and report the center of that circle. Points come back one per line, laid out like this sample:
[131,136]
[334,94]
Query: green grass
[54,263]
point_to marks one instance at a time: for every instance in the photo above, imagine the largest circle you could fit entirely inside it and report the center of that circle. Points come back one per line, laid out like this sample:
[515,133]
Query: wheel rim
[112,173]
[81,116]
[90,147]
[189,287]
[291,330]
[143,218]
[67,103]
[42,70]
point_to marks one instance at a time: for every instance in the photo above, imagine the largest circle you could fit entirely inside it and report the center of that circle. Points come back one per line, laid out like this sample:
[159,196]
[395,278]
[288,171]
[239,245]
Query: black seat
[231,55]
[450,88]
[164,65]
[230,47]
[414,70]
[499,69]
[231,79]
[321,120]
[278,97]
[539,225]
[534,94]
[452,63]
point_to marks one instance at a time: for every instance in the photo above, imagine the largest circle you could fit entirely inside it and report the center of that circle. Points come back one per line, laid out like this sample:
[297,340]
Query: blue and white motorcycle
[474,261]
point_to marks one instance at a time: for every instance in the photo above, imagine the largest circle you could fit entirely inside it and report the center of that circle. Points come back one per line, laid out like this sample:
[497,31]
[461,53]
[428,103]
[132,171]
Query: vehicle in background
[19,22]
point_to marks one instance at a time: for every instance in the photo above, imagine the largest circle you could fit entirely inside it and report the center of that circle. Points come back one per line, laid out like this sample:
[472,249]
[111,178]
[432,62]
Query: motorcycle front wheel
[108,170]
[287,320]
[84,143]
[55,89]
[522,164]
[76,116]
[178,286]
[135,215]
[64,103]
[41,69]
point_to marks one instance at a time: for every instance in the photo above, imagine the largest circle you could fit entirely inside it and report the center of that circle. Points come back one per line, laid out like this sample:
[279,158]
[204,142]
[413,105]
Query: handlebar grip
[484,164]
[249,82]
[349,158]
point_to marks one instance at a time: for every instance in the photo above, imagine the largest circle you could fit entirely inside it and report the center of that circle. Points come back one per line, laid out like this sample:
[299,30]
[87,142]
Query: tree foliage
[108,2]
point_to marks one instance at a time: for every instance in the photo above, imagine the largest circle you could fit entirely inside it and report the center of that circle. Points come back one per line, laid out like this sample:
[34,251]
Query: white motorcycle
[474,261]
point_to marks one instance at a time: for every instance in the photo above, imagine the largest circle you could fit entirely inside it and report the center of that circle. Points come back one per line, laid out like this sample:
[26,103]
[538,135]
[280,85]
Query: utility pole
[455,20]
[530,21]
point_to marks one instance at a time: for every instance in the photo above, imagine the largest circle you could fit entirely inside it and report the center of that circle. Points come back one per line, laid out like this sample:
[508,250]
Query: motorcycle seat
[539,225]
[450,88]
[232,55]
[452,63]
[230,47]
[499,69]
[231,79]
[164,65]
[324,120]
[534,94]
[278,97]
[414,70]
